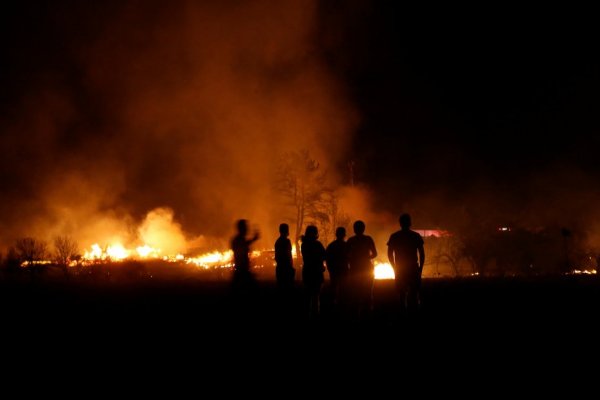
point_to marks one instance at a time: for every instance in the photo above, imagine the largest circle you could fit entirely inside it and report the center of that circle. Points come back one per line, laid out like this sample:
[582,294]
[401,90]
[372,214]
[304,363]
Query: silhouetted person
[284,271]
[313,256]
[337,262]
[407,256]
[361,250]
[566,234]
[243,279]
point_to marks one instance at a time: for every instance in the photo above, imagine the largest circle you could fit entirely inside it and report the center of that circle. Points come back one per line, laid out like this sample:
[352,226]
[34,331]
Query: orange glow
[584,272]
[383,271]
[115,251]
[214,259]
[95,253]
[118,252]
[146,251]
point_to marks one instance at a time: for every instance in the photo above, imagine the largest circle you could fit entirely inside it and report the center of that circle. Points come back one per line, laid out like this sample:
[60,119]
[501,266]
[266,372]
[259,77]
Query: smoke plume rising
[132,106]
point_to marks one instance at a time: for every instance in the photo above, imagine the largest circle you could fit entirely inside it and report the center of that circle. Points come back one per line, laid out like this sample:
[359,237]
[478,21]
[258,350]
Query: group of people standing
[349,263]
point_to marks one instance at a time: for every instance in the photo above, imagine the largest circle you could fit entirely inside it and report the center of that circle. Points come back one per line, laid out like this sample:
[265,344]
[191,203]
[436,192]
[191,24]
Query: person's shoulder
[395,234]
[416,235]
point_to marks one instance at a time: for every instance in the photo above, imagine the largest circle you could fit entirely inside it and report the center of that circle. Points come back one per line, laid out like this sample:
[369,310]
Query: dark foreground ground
[465,326]
[471,307]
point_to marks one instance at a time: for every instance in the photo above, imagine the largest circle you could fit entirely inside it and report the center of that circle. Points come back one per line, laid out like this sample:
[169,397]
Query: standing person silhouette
[284,271]
[337,263]
[313,256]
[407,256]
[243,279]
[361,250]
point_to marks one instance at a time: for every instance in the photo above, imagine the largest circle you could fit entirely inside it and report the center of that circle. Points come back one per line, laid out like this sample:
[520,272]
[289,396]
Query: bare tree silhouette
[30,251]
[65,251]
[303,185]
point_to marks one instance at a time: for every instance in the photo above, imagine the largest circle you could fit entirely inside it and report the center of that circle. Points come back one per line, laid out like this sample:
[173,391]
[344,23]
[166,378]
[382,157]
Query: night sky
[112,109]
[476,108]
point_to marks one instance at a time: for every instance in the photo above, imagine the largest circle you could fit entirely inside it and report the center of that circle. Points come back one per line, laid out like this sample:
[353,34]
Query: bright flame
[117,251]
[384,271]
[216,258]
[95,253]
[160,229]
[146,251]
[584,272]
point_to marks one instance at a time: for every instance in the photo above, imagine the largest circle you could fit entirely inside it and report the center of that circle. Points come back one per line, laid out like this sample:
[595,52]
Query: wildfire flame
[116,252]
[146,251]
[384,270]
[584,272]
[224,259]
[216,258]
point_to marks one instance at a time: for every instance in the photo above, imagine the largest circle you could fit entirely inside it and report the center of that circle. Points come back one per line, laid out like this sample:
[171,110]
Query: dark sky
[446,113]
[463,103]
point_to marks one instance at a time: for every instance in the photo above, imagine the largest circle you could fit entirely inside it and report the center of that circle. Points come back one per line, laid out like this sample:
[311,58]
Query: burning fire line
[116,252]
[384,270]
[214,259]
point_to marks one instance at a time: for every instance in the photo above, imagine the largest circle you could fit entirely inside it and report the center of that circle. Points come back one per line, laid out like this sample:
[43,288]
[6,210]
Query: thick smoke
[115,109]
[160,231]
[129,107]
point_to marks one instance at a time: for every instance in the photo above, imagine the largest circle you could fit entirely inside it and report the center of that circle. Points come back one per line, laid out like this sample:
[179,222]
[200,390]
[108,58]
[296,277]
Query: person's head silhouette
[359,227]
[405,221]
[242,226]
[311,233]
[284,230]
[340,233]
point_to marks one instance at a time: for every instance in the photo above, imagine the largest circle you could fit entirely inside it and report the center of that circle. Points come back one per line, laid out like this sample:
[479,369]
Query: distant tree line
[514,251]
[29,254]
[308,196]
[474,245]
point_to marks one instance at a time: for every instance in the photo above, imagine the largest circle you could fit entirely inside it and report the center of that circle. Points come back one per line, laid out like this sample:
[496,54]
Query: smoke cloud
[160,231]
[133,106]
[115,110]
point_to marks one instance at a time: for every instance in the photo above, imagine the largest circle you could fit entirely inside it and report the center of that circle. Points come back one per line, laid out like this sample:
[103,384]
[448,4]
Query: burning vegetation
[233,110]
[506,251]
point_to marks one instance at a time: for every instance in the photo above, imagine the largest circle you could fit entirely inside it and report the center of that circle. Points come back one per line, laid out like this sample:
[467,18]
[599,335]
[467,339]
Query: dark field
[186,324]
[204,305]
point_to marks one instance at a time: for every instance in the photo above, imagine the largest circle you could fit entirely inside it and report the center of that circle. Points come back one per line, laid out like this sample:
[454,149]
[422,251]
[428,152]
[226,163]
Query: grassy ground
[183,325]
[207,303]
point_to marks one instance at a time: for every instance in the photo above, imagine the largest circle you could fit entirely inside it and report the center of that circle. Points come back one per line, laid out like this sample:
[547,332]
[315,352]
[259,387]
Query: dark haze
[113,110]
[474,115]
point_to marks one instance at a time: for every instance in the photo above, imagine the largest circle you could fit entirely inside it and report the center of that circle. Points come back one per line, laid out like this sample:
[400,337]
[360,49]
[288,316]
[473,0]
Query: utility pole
[566,234]
[351,172]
